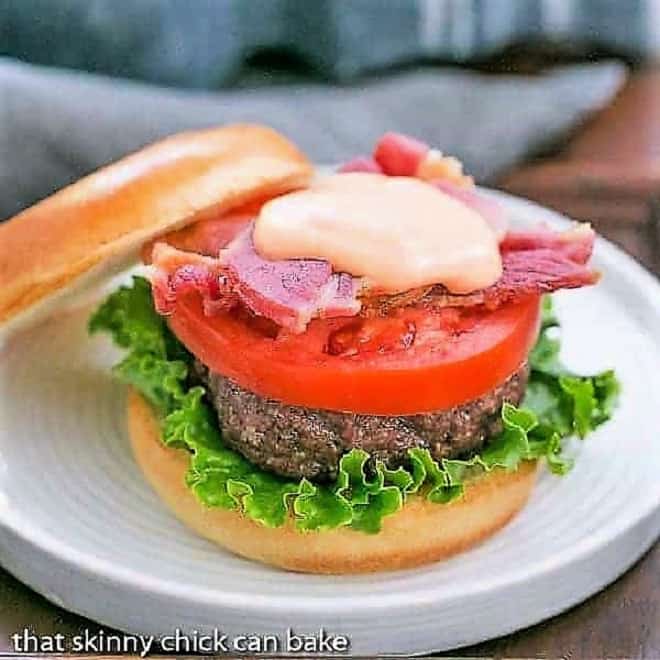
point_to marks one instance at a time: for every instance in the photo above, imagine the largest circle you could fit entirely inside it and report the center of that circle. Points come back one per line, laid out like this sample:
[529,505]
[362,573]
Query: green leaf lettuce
[558,404]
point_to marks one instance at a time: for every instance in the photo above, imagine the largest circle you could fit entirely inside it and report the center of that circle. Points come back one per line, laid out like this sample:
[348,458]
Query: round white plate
[79,524]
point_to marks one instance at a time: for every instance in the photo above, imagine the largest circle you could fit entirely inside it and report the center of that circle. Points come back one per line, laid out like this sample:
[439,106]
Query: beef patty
[294,441]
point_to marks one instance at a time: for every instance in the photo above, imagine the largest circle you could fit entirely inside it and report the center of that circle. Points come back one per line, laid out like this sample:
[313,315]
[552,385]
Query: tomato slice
[413,361]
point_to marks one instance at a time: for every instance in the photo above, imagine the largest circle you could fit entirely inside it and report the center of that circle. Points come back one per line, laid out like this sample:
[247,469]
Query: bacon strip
[576,243]
[490,210]
[289,292]
[533,262]
[292,292]
[541,270]
[399,155]
[396,154]
[361,164]
[177,272]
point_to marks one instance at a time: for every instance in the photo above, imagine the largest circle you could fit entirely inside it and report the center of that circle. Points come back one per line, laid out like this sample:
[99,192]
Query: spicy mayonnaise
[397,232]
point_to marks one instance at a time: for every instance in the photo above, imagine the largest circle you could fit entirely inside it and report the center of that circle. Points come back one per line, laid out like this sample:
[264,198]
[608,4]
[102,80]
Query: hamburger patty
[294,441]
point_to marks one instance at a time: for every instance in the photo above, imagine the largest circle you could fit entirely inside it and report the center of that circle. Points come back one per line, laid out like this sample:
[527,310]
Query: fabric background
[204,43]
[56,126]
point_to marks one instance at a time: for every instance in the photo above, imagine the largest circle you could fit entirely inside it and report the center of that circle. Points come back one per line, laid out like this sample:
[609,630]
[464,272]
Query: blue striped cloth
[204,43]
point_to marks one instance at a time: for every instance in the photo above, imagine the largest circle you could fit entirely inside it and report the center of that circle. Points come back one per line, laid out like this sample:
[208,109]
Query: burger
[332,372]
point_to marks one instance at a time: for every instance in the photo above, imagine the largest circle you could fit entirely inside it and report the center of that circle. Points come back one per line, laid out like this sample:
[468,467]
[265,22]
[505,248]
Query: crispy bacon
[177,273]
[205,237]
[361,164]
[288,292]
[435,166]
[533,262]
[576,243]
[540,270]
[339,297]
[292,292]
[490,210]
[399,155]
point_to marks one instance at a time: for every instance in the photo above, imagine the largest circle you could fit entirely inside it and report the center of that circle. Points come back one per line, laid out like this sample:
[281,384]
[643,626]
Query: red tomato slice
[413,361]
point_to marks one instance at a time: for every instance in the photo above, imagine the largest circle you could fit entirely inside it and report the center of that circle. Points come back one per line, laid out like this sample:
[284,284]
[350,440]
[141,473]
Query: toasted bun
[421,532]
[100,222]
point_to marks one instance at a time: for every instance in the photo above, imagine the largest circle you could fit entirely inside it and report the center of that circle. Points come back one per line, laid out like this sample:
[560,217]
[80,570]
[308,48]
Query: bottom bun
[420,533]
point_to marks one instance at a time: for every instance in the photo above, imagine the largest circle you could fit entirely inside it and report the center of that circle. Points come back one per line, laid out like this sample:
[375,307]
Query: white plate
[79,524]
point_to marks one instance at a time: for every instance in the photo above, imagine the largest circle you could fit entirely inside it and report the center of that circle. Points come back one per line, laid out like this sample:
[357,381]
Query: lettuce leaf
[558,404]
[130,317]
[562,400]
[318,508]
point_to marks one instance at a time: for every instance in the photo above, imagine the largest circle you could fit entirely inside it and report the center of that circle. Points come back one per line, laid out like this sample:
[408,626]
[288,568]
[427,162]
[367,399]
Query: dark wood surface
[608,174]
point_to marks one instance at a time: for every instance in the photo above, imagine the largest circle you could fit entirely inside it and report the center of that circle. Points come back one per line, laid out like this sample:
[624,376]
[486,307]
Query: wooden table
[608,174]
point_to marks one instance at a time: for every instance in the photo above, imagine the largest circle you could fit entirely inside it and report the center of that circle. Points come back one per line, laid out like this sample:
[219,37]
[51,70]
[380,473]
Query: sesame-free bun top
[98,224]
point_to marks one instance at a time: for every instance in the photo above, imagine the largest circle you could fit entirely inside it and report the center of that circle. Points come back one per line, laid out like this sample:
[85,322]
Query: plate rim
[648,504]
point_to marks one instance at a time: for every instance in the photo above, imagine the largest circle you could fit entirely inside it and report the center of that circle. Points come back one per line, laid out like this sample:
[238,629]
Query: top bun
[98,224]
